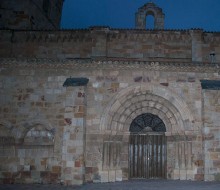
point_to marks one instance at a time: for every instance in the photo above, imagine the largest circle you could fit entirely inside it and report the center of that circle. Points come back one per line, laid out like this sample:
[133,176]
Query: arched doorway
[178,119]
[147,147]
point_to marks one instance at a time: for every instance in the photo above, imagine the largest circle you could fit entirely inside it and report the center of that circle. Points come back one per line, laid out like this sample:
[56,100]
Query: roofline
[108,28]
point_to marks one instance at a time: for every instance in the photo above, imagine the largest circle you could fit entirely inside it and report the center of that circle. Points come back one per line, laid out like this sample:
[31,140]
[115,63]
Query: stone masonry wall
[98,42]
[73,147]
[55,134]
[34,103]
[211,132]
[30,15]
[32,114]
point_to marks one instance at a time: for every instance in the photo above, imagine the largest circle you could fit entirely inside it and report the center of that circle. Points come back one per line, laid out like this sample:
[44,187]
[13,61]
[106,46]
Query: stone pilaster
[196,36]
[73,171]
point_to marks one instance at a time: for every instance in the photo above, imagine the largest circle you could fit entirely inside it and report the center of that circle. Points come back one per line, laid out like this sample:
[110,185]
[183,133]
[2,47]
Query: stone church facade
[104,105]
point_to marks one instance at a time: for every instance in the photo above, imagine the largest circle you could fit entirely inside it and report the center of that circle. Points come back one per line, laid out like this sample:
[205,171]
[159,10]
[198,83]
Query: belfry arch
[149,9]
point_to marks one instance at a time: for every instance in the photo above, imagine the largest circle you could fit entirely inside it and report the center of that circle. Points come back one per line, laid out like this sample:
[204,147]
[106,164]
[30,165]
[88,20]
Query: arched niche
[39,135]
[34,132]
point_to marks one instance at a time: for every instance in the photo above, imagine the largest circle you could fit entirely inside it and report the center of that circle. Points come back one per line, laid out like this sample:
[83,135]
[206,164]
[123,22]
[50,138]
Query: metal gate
[147,155]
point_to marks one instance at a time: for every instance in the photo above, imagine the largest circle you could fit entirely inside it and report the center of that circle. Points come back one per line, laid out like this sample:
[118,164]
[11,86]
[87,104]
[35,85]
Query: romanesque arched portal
[158,101]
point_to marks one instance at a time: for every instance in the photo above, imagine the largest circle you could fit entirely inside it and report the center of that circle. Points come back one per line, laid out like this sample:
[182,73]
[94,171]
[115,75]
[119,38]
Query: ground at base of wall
[125,185]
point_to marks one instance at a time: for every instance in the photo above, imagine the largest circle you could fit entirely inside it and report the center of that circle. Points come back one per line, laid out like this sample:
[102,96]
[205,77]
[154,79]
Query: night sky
[179,14]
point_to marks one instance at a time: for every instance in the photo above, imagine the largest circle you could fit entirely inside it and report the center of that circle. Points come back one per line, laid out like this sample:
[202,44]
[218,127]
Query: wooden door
[147,155]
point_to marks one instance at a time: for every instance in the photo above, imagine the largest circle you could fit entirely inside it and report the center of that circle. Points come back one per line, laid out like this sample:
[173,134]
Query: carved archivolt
[136,100]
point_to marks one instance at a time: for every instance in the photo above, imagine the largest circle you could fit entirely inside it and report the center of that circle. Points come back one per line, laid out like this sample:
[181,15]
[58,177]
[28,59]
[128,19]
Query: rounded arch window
[147,122]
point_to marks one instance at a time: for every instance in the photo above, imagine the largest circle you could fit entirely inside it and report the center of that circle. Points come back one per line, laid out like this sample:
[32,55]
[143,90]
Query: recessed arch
[21,130]
[38,134]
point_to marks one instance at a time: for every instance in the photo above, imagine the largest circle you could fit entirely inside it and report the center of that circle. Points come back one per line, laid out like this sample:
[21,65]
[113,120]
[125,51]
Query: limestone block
[183,174]
[209,177]
[66,136]
[57,91]
[68,176]
[34,97]
[26,72]
[68,115]
[56,169]
[176,174]
[35,175]
[21,153]
[96,84]
[96,121]
[76,182]
[118,175]
[69,102]
[189,175]
[199,177]
[214,155]
[123,85]
[21,161]
[78,122]
[104,176]
[112,176]
[70,163]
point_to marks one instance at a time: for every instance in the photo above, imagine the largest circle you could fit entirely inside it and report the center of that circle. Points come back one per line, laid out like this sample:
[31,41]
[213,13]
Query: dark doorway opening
[147,147]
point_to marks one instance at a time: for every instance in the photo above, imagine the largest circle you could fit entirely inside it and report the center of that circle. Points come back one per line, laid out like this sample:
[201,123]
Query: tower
[30,14]
[149,9]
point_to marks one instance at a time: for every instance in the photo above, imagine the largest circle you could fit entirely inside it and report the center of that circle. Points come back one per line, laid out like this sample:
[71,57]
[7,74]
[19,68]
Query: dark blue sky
[179,14]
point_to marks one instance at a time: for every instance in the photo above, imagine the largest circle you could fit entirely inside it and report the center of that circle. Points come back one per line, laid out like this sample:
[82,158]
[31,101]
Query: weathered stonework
[30,15]
[71,134]
[149,9]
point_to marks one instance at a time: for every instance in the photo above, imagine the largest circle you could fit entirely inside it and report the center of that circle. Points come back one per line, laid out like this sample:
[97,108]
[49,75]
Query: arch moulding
[145,98]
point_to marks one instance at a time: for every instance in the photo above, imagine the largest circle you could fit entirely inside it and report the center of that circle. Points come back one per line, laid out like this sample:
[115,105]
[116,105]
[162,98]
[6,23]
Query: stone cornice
[85,35]
[81,64]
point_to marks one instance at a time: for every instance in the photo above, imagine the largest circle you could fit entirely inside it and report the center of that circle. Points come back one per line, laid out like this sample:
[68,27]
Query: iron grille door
[147,156]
